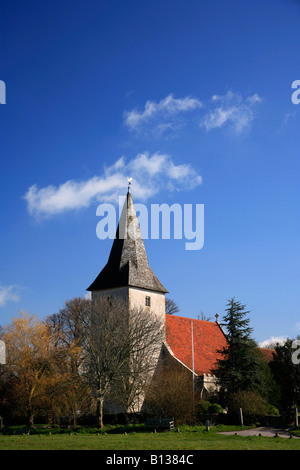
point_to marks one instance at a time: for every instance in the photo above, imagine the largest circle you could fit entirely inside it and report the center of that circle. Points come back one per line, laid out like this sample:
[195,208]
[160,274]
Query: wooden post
[241,417]
[296,416]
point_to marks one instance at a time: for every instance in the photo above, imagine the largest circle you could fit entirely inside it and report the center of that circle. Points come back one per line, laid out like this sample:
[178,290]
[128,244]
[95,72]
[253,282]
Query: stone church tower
[187,344]
[127,274]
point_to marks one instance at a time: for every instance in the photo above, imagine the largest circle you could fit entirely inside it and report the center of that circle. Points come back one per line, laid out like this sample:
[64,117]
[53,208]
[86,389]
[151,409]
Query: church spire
[128,263]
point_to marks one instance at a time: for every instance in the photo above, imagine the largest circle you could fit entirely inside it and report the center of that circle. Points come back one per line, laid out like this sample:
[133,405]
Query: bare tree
[68,330]
[122,347]
[1,331]
[70,324]
[171,307]
[145,335]
[202,316]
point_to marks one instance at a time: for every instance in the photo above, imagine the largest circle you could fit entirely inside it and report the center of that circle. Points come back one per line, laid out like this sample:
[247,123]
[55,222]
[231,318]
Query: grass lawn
[189,438]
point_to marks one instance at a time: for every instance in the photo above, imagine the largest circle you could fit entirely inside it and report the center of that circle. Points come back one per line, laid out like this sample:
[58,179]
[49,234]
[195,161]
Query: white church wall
[137,299]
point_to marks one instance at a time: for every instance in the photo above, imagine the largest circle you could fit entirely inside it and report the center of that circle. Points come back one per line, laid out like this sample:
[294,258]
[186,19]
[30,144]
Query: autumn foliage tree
[30,358]
[43,371]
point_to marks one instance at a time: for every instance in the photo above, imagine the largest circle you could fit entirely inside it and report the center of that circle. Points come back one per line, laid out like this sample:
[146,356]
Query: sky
[193,100]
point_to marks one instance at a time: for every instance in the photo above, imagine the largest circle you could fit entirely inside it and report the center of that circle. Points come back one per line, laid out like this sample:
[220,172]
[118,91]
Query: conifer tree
[241,367]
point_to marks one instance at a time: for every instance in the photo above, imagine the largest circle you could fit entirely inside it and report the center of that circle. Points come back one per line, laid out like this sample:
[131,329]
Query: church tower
[127,274]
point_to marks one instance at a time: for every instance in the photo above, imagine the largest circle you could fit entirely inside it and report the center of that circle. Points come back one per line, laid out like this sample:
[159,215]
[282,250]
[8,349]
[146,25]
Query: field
[190,438]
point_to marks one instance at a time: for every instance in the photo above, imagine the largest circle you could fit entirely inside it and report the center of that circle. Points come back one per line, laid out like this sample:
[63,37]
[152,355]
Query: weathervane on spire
[129,183]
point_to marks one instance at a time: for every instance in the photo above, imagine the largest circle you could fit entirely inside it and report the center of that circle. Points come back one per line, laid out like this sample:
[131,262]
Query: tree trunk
[30,412]
[30,418]
[99,412]
[74,409]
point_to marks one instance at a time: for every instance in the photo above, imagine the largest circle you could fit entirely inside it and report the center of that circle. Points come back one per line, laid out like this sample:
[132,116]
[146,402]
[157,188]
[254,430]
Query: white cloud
[232,110]
[163,111]
[278,339]
[151,166]
[254,99]
[8,294]
[272,341]
[150,173]
[167,116]
[87,296]
[287,117]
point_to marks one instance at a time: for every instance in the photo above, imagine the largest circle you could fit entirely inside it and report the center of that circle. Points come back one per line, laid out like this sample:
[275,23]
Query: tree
[170,395]
[171,307]
[286,372]
[145,336]
[241,367]
[30,357]
[121,351]
[71,395]
[42,371]
[202,316]
[70,323]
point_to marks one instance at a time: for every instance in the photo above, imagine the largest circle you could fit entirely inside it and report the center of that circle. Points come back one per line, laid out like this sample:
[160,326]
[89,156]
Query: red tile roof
[267,354]
[207,336]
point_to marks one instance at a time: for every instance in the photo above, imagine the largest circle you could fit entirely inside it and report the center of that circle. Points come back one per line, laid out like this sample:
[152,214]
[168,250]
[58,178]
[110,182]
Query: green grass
[190,438]
[295,431]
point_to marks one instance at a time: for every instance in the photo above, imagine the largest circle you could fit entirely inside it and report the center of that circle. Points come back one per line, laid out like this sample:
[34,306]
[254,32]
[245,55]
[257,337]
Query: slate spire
[127,263]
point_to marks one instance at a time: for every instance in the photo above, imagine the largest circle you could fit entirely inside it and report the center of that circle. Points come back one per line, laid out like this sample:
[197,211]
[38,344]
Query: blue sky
[98,89]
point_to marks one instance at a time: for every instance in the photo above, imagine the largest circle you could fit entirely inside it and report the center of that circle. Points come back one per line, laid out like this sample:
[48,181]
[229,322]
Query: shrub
[272,410]
[170,396]
[205,407]
[252,404]
[202,407]
[214,408]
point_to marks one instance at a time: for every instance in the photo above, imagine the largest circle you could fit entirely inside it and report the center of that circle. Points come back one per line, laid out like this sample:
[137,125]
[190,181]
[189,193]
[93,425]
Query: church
[189,343]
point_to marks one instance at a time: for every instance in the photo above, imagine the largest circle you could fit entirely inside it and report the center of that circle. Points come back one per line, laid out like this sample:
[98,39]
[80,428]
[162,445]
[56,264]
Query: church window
[147,301]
